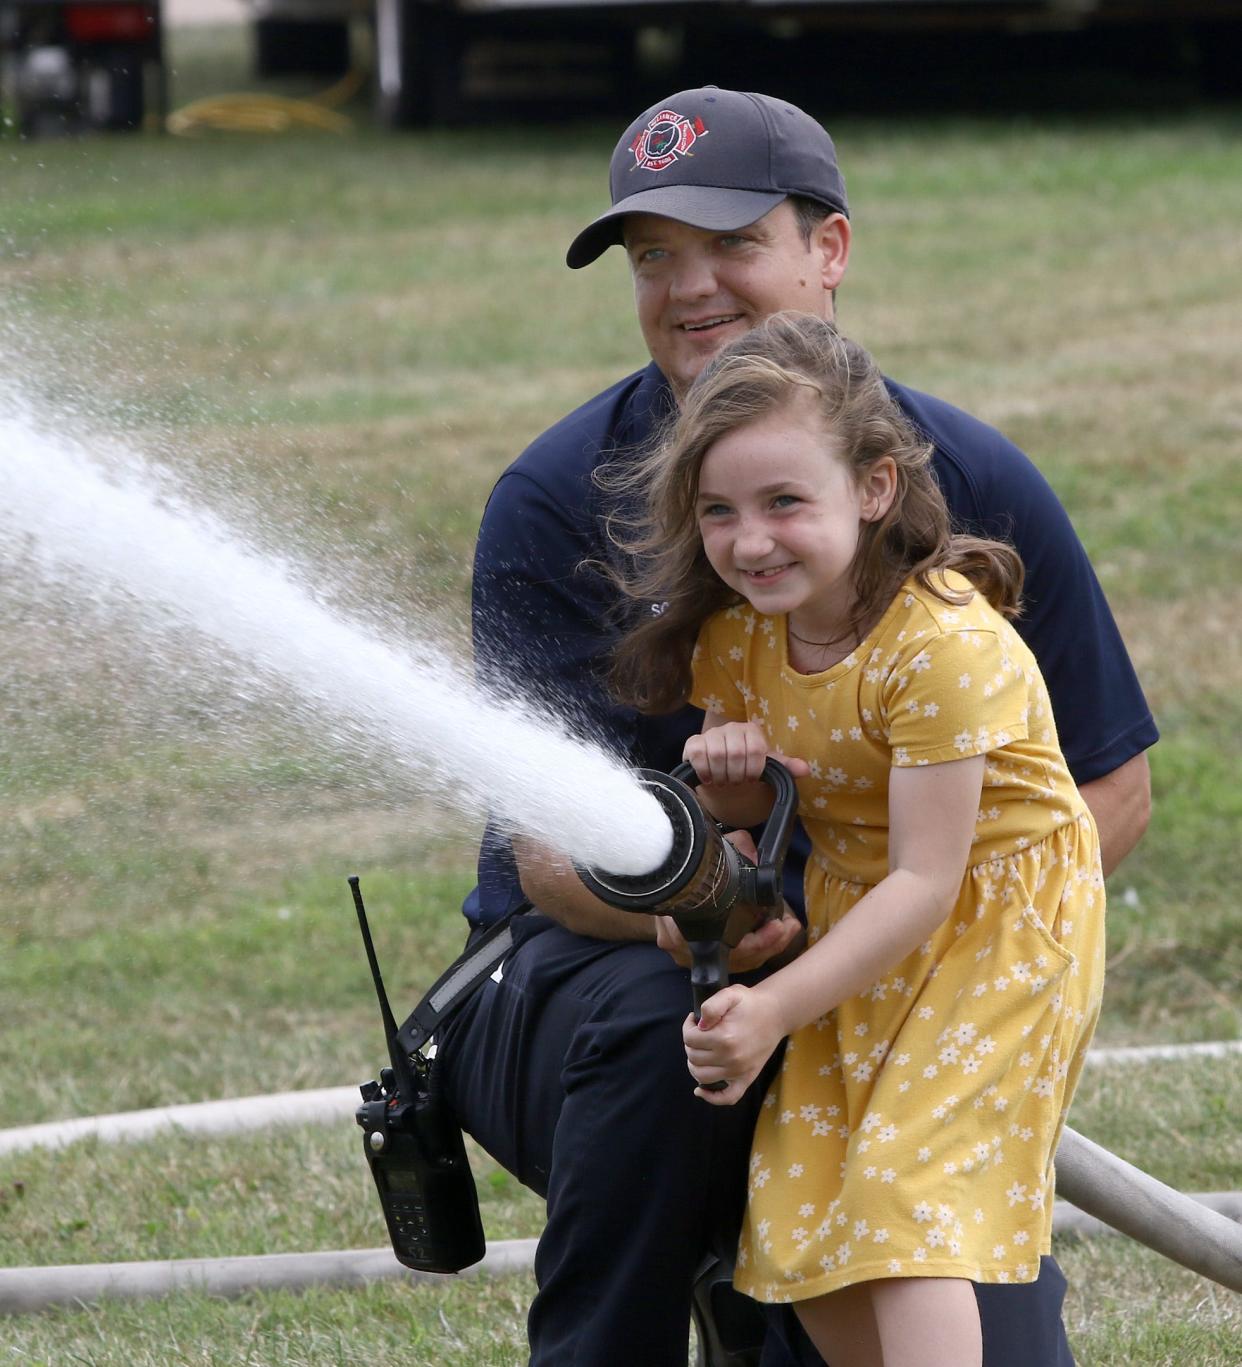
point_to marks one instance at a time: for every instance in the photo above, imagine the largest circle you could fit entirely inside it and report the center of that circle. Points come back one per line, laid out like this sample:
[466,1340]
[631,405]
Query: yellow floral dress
[911,1131]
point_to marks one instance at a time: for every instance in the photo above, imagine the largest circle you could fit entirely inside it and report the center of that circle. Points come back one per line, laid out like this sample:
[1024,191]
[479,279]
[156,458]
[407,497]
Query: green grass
[349,338]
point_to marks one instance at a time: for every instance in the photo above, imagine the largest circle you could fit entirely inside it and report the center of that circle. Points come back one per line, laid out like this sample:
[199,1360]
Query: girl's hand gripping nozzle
[713,892]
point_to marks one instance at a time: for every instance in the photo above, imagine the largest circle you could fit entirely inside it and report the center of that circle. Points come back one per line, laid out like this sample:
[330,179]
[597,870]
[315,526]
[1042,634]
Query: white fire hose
[1097,1182]
[1135,1203]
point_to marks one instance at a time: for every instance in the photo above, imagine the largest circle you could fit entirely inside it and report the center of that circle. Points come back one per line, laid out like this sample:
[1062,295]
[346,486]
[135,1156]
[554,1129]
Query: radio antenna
[397,1055]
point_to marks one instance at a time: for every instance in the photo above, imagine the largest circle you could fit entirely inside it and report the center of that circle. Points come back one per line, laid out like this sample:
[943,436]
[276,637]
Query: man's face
[696,290]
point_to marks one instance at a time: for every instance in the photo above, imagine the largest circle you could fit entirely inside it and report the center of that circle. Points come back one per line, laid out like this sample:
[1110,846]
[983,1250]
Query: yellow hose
[254,112]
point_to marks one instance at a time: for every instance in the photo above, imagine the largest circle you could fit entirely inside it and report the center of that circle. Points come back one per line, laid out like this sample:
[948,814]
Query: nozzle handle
[709,972]
[773,844]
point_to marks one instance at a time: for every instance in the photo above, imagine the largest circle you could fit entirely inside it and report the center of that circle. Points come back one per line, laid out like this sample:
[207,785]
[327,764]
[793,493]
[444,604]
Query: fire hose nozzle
[713,892]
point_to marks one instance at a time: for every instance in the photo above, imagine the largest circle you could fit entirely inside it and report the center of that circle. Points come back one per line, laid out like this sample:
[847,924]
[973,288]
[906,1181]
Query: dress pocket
[1062,957]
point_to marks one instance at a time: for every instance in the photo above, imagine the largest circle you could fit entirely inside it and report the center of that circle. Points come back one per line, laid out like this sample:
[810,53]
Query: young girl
[818,606]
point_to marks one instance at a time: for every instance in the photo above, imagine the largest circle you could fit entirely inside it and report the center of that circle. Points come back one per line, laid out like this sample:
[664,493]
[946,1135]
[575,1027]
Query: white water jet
[113,532]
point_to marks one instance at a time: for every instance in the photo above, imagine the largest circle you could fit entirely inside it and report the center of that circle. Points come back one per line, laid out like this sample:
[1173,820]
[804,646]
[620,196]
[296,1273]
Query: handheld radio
[415,1150]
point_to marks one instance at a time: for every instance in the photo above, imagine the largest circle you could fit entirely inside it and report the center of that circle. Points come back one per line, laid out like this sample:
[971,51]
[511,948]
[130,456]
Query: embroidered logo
[668,136]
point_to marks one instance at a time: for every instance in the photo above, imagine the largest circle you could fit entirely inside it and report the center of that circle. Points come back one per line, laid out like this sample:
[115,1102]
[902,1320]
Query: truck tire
[1220,52]
[114,89]
[418,49]
[296,47]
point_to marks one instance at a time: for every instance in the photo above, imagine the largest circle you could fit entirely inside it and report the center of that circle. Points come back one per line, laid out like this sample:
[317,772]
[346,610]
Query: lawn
[341,342]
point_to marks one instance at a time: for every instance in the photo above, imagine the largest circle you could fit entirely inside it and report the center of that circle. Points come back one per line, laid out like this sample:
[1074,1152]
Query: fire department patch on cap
[668,136]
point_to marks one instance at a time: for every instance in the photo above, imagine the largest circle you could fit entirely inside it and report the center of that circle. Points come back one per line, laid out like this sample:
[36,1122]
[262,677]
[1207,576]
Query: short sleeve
[718,667]
[954,695]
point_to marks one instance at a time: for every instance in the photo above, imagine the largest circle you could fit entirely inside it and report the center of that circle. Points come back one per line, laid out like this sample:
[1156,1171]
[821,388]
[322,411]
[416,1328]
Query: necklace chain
[822,645]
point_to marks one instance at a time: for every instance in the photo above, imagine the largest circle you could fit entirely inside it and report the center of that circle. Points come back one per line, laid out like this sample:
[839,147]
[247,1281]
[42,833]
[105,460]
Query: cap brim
[701,206]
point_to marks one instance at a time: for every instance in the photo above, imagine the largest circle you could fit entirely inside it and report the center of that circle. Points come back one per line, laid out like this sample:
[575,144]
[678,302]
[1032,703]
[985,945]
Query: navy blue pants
[570,1072]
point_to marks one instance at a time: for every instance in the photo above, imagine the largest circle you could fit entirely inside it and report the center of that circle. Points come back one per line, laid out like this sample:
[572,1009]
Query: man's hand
[755,948]
[737,1030]
[775,938]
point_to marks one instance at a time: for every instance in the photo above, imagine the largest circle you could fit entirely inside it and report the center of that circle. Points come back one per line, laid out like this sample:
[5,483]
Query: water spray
[713,892]
[121,536]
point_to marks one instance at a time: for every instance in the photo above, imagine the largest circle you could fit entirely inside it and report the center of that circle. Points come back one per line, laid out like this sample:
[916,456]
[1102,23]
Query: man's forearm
[549,880]
[1120,802]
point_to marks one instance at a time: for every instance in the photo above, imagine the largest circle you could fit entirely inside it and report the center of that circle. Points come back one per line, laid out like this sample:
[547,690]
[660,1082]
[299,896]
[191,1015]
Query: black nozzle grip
[709,972]
[773,844]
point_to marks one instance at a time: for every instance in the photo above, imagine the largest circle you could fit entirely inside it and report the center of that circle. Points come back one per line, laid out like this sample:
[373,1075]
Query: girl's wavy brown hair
[787,355]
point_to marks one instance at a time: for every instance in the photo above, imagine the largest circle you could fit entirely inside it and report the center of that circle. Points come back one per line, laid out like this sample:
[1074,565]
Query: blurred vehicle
[81,65]
[86,64]
[440,60]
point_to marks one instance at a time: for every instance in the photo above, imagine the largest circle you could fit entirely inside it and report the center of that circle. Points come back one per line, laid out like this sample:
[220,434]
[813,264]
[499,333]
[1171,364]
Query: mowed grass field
[351,337]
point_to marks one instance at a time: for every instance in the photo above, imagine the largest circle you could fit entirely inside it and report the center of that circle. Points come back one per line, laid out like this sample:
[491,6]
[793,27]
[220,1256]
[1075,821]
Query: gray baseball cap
[716,159]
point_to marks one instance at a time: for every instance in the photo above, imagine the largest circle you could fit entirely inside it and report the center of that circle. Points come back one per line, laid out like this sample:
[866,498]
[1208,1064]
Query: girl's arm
[932,814]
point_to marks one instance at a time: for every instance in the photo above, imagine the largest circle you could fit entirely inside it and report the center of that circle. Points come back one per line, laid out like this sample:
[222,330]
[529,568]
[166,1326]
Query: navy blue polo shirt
[545,619]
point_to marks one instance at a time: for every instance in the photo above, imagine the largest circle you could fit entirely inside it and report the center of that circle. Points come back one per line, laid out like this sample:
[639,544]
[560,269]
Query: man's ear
[831,240]
[879,488]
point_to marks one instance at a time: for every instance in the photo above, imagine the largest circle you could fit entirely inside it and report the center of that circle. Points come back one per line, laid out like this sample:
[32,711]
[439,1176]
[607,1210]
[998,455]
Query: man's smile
[707,324]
